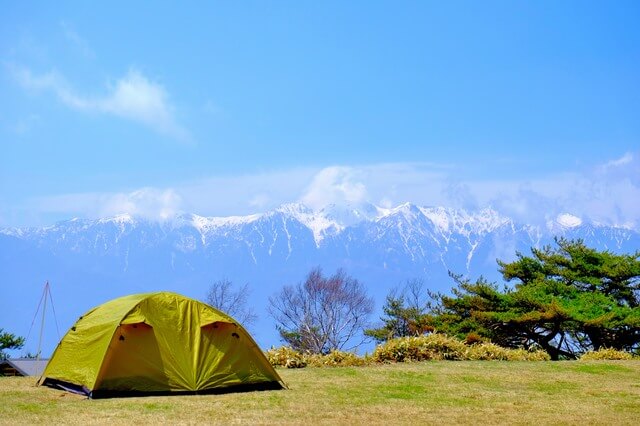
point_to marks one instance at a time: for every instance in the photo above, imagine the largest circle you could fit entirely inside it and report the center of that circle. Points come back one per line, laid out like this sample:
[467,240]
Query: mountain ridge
[332,220]
[91,261]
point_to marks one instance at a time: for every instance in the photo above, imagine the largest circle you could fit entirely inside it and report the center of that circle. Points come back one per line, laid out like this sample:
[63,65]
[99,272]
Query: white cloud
[459,195]
[133,97]
[382,184]
[627,158]
[136,98]
[146,202]
[609,195]
[214,196]
[336,185]
[244,194]
[150,203]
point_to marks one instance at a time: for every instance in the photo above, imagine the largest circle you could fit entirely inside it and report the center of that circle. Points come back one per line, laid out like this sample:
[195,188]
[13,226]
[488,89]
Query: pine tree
[565,300]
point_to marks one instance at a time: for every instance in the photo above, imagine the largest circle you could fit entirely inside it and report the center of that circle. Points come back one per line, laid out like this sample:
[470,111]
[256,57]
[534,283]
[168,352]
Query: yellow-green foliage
[336,359]
[606,354]
[491,352]
[285,356]
[405,349]
[525,355]
[419,348]
[442,347]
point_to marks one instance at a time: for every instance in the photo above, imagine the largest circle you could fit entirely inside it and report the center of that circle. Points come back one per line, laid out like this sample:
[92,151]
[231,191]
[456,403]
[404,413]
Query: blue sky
[223,108]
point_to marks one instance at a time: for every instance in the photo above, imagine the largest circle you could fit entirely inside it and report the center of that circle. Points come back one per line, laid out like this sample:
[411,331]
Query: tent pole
[44,294]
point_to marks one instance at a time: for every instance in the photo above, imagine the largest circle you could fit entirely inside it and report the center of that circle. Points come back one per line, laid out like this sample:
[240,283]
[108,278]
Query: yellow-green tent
[157,343]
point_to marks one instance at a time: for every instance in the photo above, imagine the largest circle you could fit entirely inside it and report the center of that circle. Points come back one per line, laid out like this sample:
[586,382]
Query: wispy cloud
[76,40]
[214,196]
[133,97]
[150,203]
[627,158]
[136,98]
[24,125]
[244,194]
[382,184]
[608,195]
[336,185]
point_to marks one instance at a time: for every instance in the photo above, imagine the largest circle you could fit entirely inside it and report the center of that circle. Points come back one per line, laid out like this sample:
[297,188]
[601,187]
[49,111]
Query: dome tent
[157,343]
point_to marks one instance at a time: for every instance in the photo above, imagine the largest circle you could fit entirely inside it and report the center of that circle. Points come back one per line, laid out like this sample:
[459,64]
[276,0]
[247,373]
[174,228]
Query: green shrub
[606,354]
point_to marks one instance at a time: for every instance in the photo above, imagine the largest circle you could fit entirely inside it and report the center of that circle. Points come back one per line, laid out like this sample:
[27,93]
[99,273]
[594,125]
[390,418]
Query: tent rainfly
[157,343]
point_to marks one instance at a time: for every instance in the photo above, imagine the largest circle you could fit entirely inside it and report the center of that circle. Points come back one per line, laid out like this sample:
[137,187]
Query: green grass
[467,392]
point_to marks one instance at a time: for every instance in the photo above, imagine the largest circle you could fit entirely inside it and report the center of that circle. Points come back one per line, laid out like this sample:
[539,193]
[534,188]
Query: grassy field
[468,392]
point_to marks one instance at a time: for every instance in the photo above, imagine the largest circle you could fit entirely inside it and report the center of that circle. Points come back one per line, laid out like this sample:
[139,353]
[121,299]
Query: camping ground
[437,392]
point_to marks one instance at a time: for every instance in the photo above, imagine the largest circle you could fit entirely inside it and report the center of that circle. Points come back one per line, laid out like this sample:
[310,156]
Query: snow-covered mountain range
[90,261]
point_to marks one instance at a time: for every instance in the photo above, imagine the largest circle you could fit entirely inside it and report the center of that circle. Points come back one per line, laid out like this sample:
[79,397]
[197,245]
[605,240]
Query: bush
[284,356]
[473,338]
[337,359]
[442,347]
[420,348]
[407,349]
[525,355]
[606,354]
[488,352]
[493,352]
[287,357]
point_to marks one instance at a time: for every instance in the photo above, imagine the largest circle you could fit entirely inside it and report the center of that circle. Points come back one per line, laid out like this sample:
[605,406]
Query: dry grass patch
[467,392]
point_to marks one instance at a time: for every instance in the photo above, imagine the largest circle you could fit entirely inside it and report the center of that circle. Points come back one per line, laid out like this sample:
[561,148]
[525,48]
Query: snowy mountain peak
[319,224]
[330,222]
[121,219]
[409,211]
[331,219]
[448,220]
[210,224]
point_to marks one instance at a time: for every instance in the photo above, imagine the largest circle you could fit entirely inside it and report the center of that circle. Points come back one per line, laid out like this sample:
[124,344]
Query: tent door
[134,361]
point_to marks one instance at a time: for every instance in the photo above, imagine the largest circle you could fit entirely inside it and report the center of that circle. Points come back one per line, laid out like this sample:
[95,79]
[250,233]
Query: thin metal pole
[44,309]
